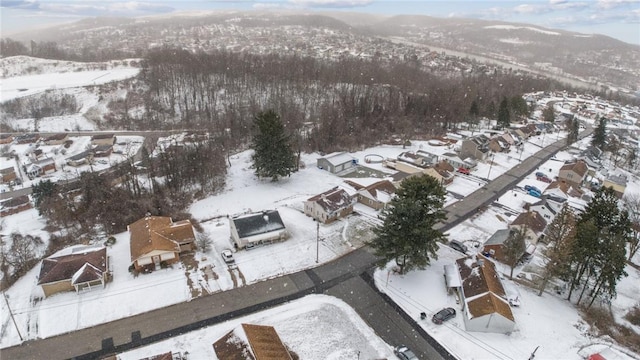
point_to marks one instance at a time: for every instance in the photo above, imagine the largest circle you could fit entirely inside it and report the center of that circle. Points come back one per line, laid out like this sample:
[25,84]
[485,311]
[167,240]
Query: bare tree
[560,234]
[632,202]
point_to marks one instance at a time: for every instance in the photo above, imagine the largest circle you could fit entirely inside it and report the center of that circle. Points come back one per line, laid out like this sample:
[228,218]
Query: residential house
[337,162]
[545,208]
[56,139]
[82,158]
[573,173]
[102,150]
[7,175]
[618,183]
[6,139]
[422,160]
[532,223]
[483,296]
[329,206]
[75,268]
[499,144]
[14,205]
[475,147]
[40,167]
[494,246]
[376,195]
[249,341]
[255,229]
[103,139]
[154,240]
[27,138]
[457,162]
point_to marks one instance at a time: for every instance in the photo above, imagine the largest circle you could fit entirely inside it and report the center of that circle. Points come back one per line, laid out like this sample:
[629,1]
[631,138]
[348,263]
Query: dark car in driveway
[403,352]
[458,246]
[444,315]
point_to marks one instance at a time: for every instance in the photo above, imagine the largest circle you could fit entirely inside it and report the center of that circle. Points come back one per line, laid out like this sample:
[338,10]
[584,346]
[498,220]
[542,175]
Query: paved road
[347,278]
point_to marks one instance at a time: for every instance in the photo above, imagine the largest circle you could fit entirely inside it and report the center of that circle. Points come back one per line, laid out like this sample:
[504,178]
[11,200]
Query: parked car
[535,193]
[403,352]
[544,179]
[463,170]
[227,256]
[528,188]
[458,246]
[444,315]
[540,174]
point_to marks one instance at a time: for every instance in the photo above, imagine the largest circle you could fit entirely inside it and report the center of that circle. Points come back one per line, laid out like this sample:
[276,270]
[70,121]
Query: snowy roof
[67,267]
[339,158]
[158,233]
[332,200]
[498,237]
[258,223]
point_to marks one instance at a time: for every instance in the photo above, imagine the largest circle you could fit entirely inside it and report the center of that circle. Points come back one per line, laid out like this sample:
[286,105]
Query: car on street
[444,315]
[458,246]
[227,256]
[404,353]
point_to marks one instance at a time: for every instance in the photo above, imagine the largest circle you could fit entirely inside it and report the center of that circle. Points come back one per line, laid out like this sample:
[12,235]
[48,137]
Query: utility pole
[533,354]
[318,242]
[490,165]
[11,313]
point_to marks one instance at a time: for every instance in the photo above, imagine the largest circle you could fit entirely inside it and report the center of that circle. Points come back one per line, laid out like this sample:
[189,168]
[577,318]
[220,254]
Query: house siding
[491,323]
[54,288]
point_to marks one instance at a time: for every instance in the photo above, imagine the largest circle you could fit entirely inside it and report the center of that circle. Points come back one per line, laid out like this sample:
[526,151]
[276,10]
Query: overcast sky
[619,19]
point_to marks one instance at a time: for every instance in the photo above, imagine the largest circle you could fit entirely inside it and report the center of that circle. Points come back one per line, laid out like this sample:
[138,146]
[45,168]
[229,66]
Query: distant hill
[597,59]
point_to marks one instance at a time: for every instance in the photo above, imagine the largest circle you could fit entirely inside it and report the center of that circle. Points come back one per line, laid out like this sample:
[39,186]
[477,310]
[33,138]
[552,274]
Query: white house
[484,298]
[255,229]
[337,162]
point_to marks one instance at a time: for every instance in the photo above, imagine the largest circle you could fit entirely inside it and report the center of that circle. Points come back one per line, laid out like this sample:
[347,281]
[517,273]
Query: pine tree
[41,191]
[519,106]
[504,117]
[561,235]
[599,254]
[407,235]
[600,134]
[273,155]
[573,126]
[548,114]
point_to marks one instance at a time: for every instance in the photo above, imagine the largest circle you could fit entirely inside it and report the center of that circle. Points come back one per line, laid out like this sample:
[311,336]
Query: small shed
[337,162]
[452,278]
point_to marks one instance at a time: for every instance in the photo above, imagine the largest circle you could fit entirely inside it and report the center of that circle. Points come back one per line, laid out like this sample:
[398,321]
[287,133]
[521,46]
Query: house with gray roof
[329,206]
[250,230]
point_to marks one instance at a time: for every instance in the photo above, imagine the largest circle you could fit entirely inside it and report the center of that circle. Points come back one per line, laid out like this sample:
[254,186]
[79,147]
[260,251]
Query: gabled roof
[102,136]
[579,167]
[86,273]
[7,171]
[14,201]
[479,276]
[332,200]
[488,304]
[80,263]
[158,233]
[498,237]
[381,190]
[258,223]
[531,220]
[265,342]
[338,158]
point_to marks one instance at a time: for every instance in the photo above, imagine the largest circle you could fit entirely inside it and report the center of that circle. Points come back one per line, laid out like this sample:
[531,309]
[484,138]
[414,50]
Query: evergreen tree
[548,114]
[407,235]
[560,234]
[600,134]
[519,106]
[504,117]
[41,191]
[474,112]
[273,155]
[514,247]
[573,126]
[599,254]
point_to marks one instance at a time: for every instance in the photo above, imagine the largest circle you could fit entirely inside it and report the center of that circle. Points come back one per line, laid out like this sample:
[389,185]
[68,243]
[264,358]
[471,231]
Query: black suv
[444,315]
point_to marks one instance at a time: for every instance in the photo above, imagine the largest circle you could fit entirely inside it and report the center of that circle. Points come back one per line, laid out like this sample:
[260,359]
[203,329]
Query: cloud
[612,4]
[17,4]
[331,3]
